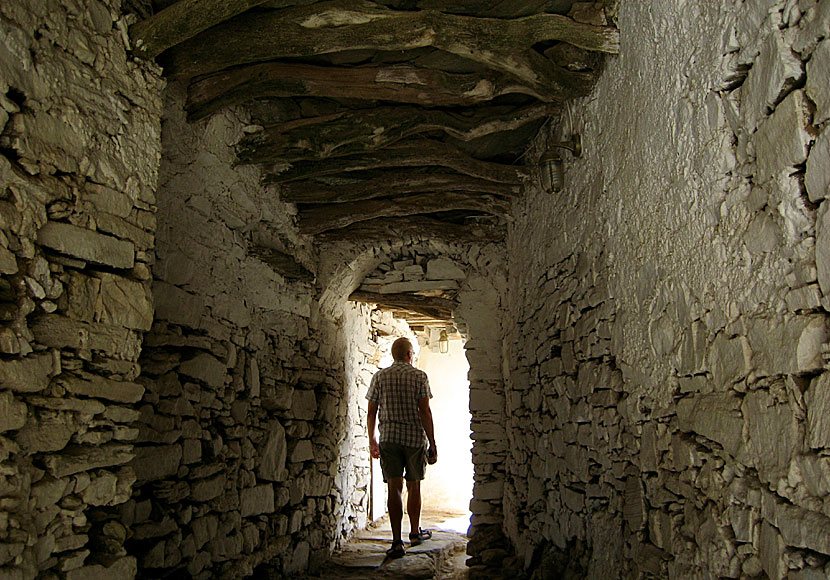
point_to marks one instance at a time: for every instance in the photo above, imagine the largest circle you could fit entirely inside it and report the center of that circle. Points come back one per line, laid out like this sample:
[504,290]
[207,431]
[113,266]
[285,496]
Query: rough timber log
[329,217]
[401,182]
[412,153]
[434,308]
[492,8]
[342,25]
[413,228]
[399,83]
[184,20]
[365,130]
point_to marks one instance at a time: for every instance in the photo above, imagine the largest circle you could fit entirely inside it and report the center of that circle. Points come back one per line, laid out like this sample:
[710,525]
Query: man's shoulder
[402,369]
[417,373]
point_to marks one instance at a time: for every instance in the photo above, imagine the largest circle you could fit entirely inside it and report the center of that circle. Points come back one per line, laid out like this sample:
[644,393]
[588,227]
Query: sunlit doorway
[449,483]
[448,486]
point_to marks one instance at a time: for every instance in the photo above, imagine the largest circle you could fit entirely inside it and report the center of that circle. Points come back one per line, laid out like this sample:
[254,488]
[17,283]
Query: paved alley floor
[441,558]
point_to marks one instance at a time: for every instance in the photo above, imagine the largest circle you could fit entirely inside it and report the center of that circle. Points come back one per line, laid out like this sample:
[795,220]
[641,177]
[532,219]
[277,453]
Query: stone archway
[478,317]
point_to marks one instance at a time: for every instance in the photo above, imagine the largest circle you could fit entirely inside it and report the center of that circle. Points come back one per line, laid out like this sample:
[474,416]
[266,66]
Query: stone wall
[79,153]
[248,419]
[667,392]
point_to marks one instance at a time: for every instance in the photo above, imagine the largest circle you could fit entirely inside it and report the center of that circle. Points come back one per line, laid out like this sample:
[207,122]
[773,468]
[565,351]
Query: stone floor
[441,558]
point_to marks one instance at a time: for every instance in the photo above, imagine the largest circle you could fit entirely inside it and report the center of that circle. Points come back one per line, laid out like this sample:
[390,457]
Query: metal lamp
[551,166]
[443,342]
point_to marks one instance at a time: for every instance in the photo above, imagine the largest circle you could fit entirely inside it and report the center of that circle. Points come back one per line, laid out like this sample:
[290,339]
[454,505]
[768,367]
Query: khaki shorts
[396,459]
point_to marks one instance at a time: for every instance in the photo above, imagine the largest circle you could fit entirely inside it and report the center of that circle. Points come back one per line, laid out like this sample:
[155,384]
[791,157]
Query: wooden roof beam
[401,182]
[414,228]
[330,217]
[185,19]
[399,83]
[351,132]
[411,153]
[431,307]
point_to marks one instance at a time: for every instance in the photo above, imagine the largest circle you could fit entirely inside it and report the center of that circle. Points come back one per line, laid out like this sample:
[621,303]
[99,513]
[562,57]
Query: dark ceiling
[377,113]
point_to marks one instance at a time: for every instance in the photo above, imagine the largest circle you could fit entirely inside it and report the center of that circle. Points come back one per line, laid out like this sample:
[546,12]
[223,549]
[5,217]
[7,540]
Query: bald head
[401,349]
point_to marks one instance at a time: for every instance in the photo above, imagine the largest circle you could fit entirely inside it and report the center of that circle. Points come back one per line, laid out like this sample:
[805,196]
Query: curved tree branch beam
[401,182]
[399,83]
[492,8]
[331,217]
[366,130]
[434,307]
[414,153]
[412,228]
[187,18]
[341,25]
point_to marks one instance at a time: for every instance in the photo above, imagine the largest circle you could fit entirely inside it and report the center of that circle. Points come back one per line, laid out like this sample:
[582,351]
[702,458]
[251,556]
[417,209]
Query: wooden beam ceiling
[413,228]
[343,25]
[385,118]
[319,219]
[431,307]
[182,21]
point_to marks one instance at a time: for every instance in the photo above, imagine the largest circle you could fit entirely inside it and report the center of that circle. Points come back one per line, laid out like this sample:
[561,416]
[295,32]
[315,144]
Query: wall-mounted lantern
[551,167]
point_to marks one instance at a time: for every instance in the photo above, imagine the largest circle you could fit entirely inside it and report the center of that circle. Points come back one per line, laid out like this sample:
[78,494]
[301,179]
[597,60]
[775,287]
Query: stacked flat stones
[77,213]
[253,447]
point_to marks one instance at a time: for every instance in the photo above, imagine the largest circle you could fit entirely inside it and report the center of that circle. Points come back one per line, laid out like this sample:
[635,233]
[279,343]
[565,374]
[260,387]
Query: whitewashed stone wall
[245,428]
[667,393]
[79,153]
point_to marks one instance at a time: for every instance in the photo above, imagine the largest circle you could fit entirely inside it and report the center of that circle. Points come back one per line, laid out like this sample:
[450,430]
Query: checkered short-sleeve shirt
[396,390]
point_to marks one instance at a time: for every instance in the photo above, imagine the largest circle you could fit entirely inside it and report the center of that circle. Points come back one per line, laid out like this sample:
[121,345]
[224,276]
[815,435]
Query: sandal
[420,536]
[396,551]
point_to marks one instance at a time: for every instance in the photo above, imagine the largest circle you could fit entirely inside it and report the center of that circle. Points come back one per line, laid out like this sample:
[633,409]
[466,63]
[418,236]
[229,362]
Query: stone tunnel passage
[651,398]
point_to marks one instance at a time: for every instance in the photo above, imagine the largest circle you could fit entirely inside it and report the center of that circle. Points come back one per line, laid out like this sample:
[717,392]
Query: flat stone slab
[410,566]
[365,557]
[87,245]
[357,559]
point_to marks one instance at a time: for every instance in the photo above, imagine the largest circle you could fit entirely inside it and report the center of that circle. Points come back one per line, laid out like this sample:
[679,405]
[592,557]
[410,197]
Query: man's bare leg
[413,506]
[394,503]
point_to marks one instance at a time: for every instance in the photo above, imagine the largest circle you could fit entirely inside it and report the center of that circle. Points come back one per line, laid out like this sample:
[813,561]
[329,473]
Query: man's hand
[371,419]
[432,454]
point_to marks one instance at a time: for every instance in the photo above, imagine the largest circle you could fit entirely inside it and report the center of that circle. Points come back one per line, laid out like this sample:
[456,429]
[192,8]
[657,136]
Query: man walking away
[399,396]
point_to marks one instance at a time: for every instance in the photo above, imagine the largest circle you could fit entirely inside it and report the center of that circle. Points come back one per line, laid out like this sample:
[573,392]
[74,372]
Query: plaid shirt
[396,391]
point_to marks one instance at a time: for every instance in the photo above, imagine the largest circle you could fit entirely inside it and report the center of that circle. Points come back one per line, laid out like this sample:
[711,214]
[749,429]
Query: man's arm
[426,422]
[374,450]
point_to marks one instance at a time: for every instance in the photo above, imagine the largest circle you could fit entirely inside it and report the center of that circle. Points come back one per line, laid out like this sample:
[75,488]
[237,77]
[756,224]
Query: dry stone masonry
[249,448]
[438,276]
[667,386]
[78,171]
